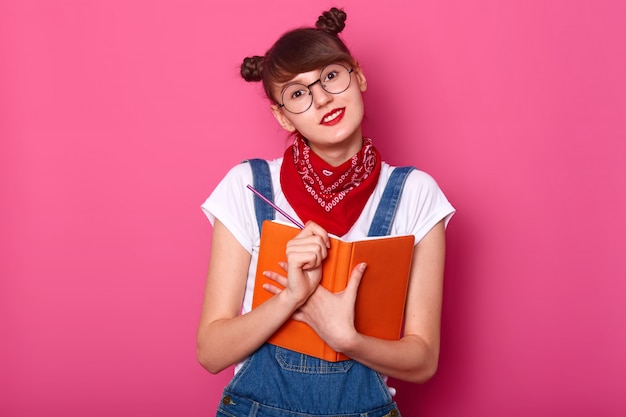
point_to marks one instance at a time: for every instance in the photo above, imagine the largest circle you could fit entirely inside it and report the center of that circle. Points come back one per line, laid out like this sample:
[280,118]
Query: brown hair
[300,50]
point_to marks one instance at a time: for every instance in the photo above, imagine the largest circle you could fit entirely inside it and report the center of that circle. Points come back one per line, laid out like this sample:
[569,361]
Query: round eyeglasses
[334,79]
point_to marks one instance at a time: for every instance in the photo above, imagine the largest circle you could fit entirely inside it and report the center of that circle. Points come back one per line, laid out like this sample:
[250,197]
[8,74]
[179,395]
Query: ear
[278,113]
[360,77]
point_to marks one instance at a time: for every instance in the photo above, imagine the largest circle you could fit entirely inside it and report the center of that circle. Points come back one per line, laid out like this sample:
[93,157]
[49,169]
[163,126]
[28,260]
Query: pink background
[117,118]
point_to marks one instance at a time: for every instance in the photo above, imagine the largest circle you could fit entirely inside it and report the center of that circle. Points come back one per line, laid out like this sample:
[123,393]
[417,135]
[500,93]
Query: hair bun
[333,21]
[252,68]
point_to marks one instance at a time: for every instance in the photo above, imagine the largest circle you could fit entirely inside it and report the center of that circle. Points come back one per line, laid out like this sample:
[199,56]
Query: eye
[296,94]
[331,76]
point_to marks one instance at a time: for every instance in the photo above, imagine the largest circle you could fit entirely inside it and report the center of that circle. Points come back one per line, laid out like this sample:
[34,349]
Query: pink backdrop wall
[117,118]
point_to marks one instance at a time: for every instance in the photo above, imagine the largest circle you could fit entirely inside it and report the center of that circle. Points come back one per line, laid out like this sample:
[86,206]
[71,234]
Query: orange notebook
[382,292]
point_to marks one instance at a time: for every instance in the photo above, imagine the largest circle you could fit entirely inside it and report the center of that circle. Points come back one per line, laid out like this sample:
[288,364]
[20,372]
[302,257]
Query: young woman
[332,179]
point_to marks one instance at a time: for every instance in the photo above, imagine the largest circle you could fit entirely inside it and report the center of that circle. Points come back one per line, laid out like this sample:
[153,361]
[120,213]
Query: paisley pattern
[331,188]
[330,196]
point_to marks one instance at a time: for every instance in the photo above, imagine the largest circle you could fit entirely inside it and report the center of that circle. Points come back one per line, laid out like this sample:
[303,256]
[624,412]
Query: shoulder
[416,179]
[422,203]
[242,172]
[233,204]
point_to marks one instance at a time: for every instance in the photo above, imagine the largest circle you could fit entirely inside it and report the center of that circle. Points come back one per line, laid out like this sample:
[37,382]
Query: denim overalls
[277,382]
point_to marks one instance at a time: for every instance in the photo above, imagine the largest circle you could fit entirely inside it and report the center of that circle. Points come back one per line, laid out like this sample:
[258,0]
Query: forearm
[411,359]
[227,341]
[415,357]
[224,336]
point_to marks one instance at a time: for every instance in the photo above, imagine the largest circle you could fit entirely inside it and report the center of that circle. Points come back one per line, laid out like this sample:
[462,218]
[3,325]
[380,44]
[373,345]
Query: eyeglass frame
[308,87]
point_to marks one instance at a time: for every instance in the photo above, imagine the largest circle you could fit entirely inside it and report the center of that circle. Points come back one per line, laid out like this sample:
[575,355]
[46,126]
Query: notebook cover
[381,297]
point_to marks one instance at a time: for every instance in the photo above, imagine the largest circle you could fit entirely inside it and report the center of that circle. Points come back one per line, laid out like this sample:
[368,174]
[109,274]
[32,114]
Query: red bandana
[332,197]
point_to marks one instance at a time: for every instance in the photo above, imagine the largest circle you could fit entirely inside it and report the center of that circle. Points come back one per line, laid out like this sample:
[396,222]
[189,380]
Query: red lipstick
[333,117]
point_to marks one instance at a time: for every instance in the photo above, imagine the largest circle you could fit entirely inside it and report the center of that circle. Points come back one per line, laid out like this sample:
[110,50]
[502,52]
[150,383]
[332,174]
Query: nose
[321,97]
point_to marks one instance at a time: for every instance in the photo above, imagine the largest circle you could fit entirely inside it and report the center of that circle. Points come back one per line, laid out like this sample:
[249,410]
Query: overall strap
[386,211]
[263,183]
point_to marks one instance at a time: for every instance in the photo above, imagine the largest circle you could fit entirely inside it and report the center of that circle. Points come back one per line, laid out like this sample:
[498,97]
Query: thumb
[355,279]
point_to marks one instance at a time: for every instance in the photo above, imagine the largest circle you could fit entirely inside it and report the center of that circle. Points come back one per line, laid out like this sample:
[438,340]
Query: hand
[305,254]
[331,315]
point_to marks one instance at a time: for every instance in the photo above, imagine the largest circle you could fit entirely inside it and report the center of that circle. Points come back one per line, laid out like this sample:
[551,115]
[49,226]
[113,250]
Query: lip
[340,113]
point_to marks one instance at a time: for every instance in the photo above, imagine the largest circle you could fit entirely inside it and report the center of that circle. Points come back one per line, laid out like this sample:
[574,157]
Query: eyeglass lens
[334,79]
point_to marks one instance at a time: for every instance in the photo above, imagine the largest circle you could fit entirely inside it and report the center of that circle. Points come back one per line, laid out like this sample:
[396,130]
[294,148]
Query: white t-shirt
[421,207]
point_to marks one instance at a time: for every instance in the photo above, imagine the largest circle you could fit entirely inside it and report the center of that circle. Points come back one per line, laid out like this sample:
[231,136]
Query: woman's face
[333,121]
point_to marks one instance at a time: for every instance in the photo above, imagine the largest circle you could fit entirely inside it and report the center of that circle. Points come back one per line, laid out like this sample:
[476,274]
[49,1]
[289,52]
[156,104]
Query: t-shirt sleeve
[422,206]
[232,204]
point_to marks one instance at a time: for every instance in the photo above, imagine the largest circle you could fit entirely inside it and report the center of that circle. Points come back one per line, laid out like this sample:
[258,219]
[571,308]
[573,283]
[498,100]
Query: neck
[336,154]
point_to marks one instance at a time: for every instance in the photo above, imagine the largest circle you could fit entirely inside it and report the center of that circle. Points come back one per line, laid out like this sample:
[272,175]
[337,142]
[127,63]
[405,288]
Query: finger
[282,280]
[310,240]
[312,228]
[272,289]
[298,257]
[308,243]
